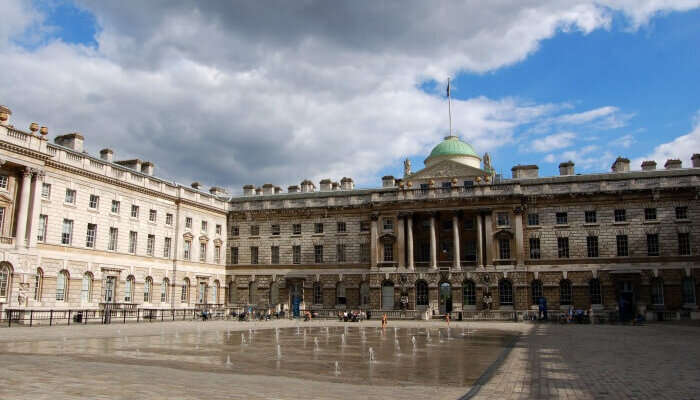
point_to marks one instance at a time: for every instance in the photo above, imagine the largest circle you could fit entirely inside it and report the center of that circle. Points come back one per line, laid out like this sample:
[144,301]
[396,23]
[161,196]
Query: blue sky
[315,90]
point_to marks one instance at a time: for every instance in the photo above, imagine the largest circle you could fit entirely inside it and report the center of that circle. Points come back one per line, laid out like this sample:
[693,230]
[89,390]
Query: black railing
[118,315]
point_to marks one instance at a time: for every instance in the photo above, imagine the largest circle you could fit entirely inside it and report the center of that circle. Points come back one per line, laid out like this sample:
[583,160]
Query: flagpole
[449,104]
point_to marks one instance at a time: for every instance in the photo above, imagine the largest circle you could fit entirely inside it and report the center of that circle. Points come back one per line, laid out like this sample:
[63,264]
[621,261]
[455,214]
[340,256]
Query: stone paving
[547,361]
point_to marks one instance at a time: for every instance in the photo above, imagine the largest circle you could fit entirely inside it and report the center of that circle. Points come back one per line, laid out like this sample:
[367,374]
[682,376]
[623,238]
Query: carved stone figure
[487,162]
[406,167]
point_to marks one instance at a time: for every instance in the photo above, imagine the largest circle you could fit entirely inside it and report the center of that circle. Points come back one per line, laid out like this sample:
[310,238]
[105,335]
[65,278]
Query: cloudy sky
[233,92]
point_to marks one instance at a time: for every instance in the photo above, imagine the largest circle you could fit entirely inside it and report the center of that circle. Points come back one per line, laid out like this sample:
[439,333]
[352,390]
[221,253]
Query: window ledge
[651,222]
[561,225]
[72,205]
[591,224]
[621,223]
[534,226]
[683,221]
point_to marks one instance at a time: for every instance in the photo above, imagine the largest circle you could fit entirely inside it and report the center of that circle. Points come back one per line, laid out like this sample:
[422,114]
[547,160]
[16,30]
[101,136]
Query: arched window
[147,286]
[86,288]
[185,291]
[468,293]
[62,286]
[274,293]
[537,291]
[38,283]
[364,294]
[657,292]
[252,288]
[505,292]
[421,293]
[688,290]
[164,290]
[340,298]
[232,292]
[318,297]
[387,295]
[595,292]
[565,292]
[129,289]
[215,292]
[5,274]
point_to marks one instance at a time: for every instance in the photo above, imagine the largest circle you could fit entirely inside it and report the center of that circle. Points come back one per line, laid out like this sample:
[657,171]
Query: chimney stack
[217,191]
[307,186]
[388,181]
[268,189]
[566,168]
[293,189]
[648,165]
[73,141]
[325,185]
[347,183]
[248,190]
[673,164]
[696,160]
[621,164]
[525,171]
[196,185]
[147,168]
[134,164]
[107,155]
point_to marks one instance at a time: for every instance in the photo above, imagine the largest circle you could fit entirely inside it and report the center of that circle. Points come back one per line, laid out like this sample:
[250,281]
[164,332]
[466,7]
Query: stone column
[401,242]
[373,253]
[479,240]
[455,233]
[519,243]
[488,242]
[23,207]
[409,241]
[36,208]
[433,244]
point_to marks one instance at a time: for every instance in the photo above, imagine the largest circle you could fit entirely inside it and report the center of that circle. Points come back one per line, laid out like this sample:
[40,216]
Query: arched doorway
[296,297]
[445,297]
[387,295]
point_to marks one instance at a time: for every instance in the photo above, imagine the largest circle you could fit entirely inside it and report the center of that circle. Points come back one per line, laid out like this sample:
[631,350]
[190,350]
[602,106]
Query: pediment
[447,169]
[5,199]
[187,236]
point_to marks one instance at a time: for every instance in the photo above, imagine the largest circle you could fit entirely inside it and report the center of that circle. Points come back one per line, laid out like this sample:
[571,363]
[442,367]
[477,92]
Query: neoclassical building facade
[80,231]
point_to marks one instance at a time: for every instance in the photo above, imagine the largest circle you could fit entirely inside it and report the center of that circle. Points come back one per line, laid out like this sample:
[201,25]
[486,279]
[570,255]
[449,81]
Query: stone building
[96,230]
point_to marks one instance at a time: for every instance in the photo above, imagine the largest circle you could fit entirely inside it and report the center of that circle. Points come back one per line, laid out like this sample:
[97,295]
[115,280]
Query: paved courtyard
[544,361]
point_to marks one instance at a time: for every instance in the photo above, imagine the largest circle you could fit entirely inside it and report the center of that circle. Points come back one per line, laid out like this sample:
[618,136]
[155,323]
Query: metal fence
[84,317]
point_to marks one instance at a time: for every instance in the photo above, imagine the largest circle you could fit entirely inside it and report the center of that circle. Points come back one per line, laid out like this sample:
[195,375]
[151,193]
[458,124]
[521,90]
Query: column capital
[374,217]
[27,172]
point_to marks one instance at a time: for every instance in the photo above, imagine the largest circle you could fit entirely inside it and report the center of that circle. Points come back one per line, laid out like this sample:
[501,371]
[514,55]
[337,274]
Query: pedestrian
[385,321]
[447,318]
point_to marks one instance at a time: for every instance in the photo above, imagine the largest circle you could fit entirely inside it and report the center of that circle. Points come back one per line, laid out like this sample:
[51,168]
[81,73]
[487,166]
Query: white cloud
[624,141]
[682,147]
[553,142]
[278,92]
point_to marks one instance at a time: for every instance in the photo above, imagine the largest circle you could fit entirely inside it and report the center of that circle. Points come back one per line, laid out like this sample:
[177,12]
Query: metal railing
[117,315]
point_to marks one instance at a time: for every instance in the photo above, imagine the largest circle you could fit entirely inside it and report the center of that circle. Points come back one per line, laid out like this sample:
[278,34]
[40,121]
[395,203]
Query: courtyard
[329,360]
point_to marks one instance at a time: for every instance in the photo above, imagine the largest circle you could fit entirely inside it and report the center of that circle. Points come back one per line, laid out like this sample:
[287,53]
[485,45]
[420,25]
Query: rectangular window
[563,247]
[254,254]
[533,219]
[341,227]
[94,202]
[188,222]
[255,230]
[275,229]
[217,254]
[70,196]
[296,229]
[364,226]
[535,248]
[169,219]
[235,231]
[468,224]
[202,252]
[340,252]
[364,252]
[652,244]
[318,227]
[504,249]
[318,254]
[234,255]
[592,246]
[150,244]
[3,181]
[620,215]
[468,184]
[502,219]
[591,217]
[133,241]
[134,211]
[91,235]
[113,236]
[205,226]
[682,212]
[167,245]
[152,215]
[562,218]
[67,233]
[115,206]
[296,254]
[388,224]
[46,190]
[43,223]
[650,214]
[684,244]
[274,255]
[218,229]
[187,253]
[622,246]
[388,252]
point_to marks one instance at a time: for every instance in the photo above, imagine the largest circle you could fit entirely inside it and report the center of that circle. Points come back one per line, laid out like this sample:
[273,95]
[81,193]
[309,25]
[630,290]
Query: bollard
[31,317]
[50,317]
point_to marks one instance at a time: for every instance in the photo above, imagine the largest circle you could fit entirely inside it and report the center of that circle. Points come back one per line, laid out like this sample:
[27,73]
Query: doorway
[445,298]
[626,301]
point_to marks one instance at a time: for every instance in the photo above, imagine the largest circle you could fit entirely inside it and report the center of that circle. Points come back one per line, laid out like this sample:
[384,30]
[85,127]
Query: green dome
[452,146]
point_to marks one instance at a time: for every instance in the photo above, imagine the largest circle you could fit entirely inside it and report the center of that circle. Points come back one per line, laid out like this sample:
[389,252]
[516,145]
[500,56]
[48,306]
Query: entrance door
[295,297]
[109,289]
[626,301]
[445,298]
[388,296]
